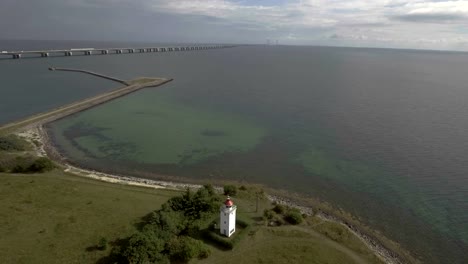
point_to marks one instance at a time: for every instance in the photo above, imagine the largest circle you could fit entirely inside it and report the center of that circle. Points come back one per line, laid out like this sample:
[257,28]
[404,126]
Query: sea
[380,133]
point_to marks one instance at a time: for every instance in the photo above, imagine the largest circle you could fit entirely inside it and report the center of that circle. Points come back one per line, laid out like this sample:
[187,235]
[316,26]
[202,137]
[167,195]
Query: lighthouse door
[225,232]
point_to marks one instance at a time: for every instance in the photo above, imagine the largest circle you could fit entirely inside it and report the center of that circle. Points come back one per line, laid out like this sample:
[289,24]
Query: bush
[279,209]
[145,248]
[41,164]
[268,214]
[2,169]
[242,223]
[293,217]
[185,248]
[102,245]
[278,220]
[230,190]
[20,168]
[13,143]
[209,189]
[218,239]
[30,165]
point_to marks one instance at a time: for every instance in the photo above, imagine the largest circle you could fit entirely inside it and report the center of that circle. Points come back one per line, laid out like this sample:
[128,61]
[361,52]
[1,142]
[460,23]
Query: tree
[145,248]
[169,230]
[230,190]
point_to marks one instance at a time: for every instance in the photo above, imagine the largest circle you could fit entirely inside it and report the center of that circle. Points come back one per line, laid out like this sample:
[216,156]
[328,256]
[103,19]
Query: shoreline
[46,148]
[40,119]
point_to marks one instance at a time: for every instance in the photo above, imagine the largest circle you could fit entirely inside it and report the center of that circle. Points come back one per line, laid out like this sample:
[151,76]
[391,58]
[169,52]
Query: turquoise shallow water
[381,133]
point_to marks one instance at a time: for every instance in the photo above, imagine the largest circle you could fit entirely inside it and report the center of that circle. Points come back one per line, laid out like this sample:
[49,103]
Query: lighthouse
[227,218]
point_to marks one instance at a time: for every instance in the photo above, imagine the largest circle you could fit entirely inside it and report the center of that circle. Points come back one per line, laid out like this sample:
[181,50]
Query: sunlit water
[381,133]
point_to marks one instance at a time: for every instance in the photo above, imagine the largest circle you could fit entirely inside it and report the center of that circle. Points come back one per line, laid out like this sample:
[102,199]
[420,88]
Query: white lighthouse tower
[227,217]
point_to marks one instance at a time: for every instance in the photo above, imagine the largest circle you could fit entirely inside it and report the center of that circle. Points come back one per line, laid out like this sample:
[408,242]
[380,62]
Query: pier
[104,51]
[91,73]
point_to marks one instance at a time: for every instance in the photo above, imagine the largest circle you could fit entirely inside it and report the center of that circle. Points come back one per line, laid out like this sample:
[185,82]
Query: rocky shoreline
[44,147]
[383,253]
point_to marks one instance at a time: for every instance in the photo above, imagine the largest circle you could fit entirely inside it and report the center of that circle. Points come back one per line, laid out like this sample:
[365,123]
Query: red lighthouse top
[228,202]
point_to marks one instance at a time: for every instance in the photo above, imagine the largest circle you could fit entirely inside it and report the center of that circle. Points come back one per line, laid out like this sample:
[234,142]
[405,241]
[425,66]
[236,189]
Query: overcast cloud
[436,24]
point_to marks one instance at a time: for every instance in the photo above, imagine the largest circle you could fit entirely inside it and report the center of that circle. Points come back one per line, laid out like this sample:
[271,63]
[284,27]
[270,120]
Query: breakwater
[58,113]
[91,73]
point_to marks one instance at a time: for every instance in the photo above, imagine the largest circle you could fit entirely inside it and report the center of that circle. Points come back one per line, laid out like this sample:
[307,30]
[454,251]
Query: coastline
[39,138]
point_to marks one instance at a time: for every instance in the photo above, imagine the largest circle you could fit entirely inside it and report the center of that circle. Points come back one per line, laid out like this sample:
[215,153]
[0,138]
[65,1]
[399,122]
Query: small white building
[227,218]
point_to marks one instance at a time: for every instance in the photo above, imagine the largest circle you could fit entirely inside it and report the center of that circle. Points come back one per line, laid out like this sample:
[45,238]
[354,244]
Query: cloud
[432,18]
[433,12]
[385,23]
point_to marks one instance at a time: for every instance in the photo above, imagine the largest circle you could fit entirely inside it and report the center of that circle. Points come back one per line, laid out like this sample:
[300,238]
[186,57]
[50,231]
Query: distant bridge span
[105,51]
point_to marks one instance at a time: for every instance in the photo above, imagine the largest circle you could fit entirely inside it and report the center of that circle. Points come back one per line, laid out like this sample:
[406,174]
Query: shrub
[268,214]
[293,217]
[278,220]
[144,248]
[209,189]
[230,190]
[243,188]
[13,143]
[242,223]
[20,168]
[204,253]
[2,169]
[218,239]
[30,165]
[41,164]
[279,209]
[102,245]
[185,248]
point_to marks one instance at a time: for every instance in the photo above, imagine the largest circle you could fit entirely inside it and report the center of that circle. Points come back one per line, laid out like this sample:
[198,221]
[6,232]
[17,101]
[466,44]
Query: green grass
[59,218]
[304,243]
[283,244]
[55,217]
[342,235]
[173,133]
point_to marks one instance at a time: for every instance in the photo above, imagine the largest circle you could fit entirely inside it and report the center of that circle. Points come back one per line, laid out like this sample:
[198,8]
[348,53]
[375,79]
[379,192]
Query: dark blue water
[380,133]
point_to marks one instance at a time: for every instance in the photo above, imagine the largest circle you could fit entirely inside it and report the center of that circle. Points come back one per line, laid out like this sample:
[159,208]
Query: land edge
[31,129]
[82,105]
[46,148]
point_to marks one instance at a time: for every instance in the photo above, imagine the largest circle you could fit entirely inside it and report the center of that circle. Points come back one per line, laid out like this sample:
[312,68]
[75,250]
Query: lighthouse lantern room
[227,217]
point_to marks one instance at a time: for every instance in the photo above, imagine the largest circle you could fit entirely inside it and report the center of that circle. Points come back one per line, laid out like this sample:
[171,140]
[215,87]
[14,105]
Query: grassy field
[314,241]
[283,245]
[55,217]
[60,218]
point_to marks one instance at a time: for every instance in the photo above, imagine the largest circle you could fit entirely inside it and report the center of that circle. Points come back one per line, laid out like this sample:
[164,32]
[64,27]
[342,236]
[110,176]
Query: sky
[420,24]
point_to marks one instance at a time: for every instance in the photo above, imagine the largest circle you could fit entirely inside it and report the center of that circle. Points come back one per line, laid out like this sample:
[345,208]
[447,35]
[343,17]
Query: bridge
[104,51]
